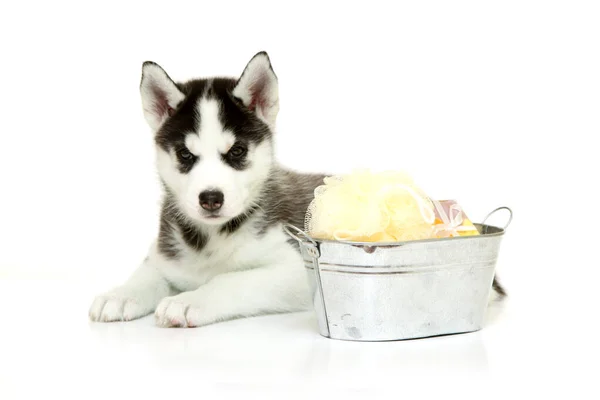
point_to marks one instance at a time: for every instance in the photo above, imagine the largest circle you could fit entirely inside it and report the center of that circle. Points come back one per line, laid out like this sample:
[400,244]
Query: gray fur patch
[285,198]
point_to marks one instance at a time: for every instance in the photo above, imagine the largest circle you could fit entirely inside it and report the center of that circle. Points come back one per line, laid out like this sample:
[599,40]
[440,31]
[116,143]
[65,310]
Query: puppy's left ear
[258,88]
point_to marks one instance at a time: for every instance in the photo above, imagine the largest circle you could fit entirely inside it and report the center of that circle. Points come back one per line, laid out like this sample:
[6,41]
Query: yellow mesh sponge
[370,207]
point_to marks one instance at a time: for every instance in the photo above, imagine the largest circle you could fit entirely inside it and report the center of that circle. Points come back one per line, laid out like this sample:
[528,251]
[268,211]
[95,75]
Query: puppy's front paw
[117,307]
[179,312]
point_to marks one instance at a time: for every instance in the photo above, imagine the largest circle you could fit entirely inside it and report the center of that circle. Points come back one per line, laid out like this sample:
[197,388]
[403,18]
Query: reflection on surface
[288,348]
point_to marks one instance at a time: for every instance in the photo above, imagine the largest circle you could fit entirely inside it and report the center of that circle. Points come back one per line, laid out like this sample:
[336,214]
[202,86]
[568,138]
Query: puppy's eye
[237,151]
[184,154]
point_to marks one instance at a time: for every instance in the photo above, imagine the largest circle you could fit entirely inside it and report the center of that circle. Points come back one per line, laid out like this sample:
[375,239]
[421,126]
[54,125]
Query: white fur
[138,296]
[244,276]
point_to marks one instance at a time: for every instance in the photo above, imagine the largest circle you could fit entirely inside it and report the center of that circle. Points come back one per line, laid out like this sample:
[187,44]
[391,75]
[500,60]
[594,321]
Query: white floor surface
[49,348]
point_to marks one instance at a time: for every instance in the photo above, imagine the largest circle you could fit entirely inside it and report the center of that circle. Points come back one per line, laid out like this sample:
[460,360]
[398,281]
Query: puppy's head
[213,137]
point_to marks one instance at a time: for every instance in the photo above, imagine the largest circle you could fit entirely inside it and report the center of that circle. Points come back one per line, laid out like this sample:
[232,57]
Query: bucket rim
[480,227]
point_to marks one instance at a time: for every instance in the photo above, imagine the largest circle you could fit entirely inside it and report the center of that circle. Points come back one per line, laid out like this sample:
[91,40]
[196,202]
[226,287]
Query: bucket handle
[510,217]
[311,247]
[298,234]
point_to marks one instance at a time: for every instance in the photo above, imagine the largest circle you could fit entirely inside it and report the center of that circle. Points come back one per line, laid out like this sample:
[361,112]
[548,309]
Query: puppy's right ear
[160,95]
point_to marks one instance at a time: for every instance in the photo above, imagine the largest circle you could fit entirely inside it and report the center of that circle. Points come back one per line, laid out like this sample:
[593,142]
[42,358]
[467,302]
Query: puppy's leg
[269,289]
[137,297]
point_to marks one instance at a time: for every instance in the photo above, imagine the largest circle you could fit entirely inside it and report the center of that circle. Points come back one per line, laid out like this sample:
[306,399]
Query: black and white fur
[232,260]
[217,135]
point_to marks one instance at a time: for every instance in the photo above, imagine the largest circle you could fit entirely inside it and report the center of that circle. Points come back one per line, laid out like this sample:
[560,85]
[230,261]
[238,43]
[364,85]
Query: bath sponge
[364,206]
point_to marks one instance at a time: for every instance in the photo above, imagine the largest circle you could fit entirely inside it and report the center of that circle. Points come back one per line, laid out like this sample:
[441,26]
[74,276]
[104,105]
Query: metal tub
[401,290]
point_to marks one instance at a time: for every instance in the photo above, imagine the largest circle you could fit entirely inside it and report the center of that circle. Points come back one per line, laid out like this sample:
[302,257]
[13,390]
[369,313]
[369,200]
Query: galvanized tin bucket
[401,290]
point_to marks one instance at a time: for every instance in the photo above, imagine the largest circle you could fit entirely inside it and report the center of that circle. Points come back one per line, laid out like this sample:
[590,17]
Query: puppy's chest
[222,253]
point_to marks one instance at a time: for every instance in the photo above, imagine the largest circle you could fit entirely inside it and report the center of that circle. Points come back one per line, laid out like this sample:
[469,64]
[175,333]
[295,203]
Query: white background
[490,103]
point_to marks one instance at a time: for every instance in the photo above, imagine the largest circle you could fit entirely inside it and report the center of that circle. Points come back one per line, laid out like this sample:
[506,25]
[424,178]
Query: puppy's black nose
[211,200]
